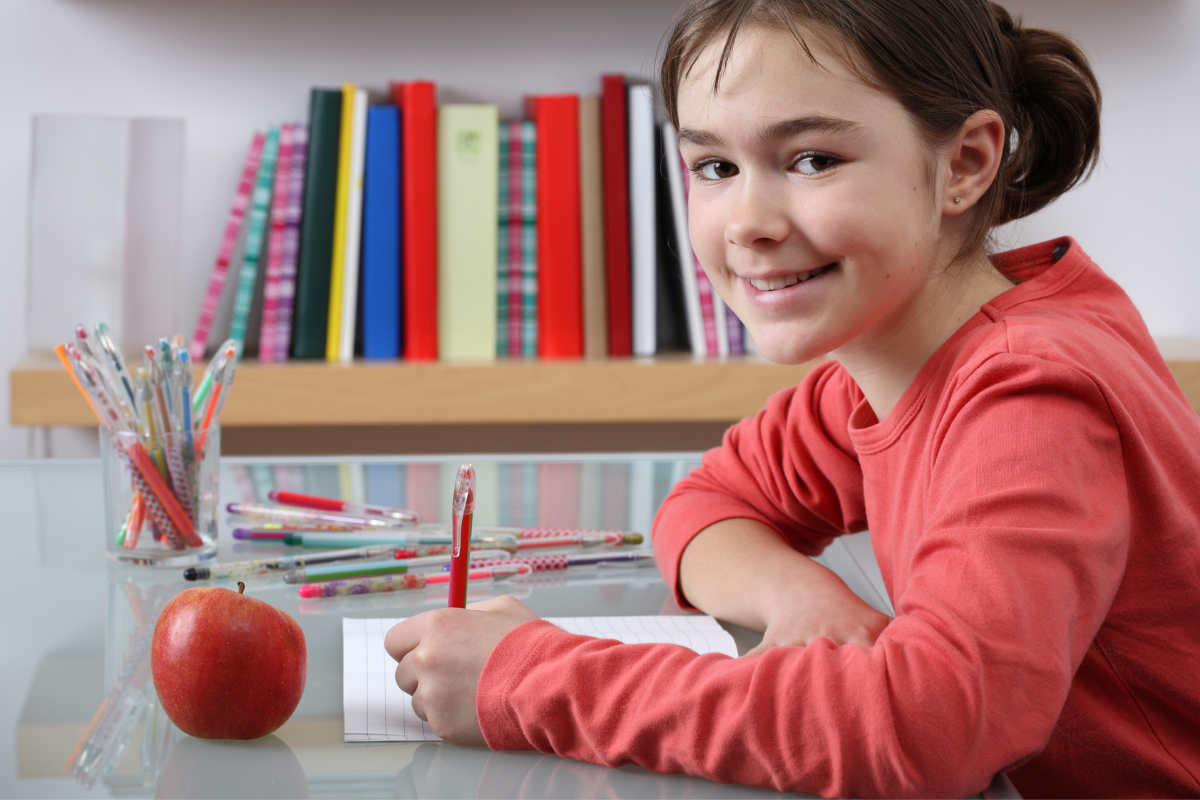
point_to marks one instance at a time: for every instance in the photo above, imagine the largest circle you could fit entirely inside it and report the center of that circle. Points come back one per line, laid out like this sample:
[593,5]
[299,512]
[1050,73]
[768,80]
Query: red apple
[227,666]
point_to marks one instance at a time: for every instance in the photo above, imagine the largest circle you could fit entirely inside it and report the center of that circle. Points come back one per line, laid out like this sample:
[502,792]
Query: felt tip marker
[363,569]
[404,581]
[267,566]
[401,516]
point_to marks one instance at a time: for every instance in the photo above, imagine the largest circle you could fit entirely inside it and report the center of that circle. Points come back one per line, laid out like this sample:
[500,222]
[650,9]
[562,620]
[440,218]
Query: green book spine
[468,166]
[316,231]
[256,229]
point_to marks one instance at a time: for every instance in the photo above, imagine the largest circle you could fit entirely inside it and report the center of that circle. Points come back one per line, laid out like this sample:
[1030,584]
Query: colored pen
[547,537]
[364,569]
[463,514]
[206,380]
[400,515]
[266,566]
[287,514]
[403,581]
[566,560]
[397,539]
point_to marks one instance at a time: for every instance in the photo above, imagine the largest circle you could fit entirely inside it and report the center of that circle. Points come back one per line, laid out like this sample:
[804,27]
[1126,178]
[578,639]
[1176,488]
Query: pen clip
[464,503]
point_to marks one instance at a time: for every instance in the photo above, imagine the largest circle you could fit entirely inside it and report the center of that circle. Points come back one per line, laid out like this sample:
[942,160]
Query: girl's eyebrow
[776,131]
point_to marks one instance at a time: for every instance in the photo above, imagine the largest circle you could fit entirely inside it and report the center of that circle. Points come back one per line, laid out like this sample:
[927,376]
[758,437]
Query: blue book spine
[381,235]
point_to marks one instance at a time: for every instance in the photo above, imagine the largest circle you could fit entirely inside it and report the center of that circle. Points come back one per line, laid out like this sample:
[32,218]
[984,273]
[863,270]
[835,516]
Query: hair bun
[1056,123]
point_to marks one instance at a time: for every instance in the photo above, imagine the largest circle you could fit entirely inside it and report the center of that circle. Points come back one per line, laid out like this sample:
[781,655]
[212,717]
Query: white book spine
[683,244]
[642,223]
[353,229]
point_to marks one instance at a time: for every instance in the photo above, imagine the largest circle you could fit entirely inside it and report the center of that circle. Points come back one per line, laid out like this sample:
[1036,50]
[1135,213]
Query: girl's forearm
[741,571]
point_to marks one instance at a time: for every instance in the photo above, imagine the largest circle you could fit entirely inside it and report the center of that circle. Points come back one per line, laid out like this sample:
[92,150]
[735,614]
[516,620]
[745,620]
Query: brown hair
[943,60]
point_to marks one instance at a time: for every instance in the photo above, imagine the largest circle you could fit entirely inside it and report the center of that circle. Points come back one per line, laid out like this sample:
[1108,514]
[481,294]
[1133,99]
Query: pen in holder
[161,500]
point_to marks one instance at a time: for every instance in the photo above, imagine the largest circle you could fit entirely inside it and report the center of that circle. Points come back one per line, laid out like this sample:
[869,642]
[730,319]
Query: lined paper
[375,709]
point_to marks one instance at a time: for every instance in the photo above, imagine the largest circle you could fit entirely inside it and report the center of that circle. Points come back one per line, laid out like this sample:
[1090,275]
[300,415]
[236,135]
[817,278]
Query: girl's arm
[742,571]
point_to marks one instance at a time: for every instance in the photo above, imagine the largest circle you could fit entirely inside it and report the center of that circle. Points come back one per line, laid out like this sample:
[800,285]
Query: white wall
[229,66]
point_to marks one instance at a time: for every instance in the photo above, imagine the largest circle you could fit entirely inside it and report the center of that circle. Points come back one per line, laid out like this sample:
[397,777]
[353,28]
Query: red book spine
[616,215]
[560,267]
[418,159]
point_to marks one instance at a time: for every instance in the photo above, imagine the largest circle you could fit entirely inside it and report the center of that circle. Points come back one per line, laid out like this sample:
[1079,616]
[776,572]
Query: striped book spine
[504,217]
[256,229]
[513,236]
[707,312]
[737,345]
[233,228]
[291,242]
[278,223]
[529,237]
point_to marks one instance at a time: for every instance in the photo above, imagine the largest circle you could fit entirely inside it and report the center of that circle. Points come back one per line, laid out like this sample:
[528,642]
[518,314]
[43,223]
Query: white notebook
[375,710]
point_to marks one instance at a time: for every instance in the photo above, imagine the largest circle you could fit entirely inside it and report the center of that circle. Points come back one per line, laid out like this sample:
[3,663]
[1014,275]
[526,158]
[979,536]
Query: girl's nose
[757,218]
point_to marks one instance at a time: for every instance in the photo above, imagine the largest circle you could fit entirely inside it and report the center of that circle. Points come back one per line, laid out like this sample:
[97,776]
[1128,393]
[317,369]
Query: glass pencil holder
[161,497]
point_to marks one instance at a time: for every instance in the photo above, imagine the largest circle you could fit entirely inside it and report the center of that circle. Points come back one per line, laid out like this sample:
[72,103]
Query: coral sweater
[1034,505]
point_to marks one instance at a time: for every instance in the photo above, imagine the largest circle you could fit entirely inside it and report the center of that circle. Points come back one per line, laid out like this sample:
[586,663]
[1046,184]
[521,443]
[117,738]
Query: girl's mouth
[771,284]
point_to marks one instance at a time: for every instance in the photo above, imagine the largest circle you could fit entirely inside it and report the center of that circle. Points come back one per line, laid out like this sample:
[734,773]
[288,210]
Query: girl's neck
[885,362]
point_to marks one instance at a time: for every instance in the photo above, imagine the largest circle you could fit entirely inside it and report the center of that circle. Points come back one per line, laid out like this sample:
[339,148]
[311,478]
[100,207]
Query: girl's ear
[974,161]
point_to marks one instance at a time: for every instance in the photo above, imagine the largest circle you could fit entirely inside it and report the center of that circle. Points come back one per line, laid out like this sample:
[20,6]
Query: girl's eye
[715,170]
[815,163]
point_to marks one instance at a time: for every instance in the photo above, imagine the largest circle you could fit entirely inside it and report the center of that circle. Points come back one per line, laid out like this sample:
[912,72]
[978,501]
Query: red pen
[463,512]
[399,515]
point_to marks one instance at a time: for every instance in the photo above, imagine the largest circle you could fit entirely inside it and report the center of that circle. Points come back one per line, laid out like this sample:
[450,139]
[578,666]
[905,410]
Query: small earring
[958,199]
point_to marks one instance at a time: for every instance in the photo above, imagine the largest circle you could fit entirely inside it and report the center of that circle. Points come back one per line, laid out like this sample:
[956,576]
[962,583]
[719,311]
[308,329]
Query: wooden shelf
[312,393]
[670,389]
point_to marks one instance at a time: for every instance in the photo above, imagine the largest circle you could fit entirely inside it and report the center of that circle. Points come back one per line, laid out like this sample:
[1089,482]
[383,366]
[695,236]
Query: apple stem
[241,588]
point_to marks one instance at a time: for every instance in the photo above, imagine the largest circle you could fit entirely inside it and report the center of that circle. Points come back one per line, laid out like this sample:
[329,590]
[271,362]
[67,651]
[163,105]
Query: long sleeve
[1021,543]
[791,467]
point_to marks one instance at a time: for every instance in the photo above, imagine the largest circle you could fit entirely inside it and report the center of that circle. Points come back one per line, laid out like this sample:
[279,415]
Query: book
[503,219]
[291,242]
[670,316]
[527,276]
[560,275]
[737,344]
[468,163]
[381,235]
[643,223]
[347,230]
[591,206]
[278,224]
[256,229]
[683,244]
[316,232]
[616,214]
[418,140]
[229,242]
[375,709]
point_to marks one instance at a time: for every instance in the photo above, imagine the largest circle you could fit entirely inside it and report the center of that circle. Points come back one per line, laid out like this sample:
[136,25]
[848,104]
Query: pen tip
[309,590]
[633,538]
[241,533]
[189,574]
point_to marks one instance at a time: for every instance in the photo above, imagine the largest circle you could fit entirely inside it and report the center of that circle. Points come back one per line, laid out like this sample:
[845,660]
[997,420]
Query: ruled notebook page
[376,710]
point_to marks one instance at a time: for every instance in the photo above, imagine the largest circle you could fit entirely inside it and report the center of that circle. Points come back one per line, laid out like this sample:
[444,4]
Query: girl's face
[811,206]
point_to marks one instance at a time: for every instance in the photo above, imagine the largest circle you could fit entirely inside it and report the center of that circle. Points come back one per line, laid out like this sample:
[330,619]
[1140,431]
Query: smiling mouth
[771,284]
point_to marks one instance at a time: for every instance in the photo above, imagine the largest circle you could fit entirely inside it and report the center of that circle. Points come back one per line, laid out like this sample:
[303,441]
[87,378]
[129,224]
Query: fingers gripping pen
[460,546]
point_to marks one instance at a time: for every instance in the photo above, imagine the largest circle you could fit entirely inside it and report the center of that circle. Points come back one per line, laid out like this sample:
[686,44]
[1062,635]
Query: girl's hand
[822,606]
[741,571]
[441,655]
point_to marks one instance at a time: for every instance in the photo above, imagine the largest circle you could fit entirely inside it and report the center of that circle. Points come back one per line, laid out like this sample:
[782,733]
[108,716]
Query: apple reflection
[227,768]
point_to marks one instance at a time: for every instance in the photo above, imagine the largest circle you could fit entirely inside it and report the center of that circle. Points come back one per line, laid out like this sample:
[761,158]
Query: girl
[1029,469]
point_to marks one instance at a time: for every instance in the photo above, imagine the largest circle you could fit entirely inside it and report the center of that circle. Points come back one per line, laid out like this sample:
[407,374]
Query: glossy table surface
[76,633]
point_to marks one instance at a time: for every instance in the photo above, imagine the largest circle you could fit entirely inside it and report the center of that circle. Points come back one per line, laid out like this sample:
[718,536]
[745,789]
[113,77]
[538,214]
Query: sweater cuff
[506,666]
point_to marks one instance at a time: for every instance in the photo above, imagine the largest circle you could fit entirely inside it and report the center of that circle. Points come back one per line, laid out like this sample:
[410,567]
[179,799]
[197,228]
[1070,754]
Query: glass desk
[76,635]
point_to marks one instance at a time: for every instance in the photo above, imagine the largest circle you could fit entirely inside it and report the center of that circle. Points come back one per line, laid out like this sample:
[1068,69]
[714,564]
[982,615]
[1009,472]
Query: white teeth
[771,284]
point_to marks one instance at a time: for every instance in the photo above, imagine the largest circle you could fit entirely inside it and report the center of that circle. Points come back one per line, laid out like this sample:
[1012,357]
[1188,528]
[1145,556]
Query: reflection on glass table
[90,723]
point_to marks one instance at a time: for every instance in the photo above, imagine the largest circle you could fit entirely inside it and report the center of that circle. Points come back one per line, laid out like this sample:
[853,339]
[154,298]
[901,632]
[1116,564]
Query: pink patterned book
[278,222]
[233,227]
[516,230]
[291,243]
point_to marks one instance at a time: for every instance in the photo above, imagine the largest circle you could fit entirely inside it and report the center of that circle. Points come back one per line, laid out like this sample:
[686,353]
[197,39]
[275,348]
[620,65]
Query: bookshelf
[667,389]
[312,393]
